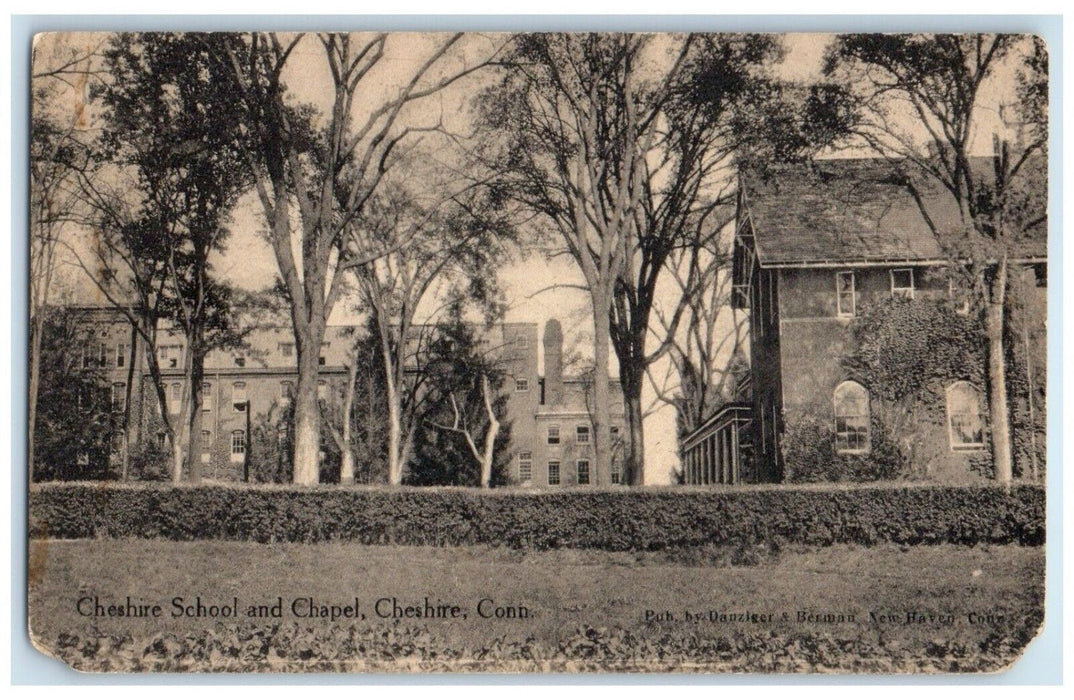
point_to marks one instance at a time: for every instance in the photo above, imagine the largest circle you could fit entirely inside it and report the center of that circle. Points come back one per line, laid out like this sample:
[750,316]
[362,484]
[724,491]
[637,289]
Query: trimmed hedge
[619,520]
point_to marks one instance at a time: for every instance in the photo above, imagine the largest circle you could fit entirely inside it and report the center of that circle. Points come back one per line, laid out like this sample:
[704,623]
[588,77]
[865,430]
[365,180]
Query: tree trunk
[346,468]
[490,436]
[395,430]
[601,390]
[131,430]
[193,450]
[997,379]
[307,412]
[634,468]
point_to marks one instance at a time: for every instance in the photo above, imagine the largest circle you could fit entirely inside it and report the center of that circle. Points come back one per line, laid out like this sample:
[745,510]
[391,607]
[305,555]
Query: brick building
[551,430]
[814,245]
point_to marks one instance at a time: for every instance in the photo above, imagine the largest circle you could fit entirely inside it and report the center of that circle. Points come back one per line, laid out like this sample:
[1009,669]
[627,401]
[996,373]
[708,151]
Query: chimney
[553,362]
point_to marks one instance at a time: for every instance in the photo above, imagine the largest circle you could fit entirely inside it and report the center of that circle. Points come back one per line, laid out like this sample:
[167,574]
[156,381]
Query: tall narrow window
[238,396]
[206,396]
[206,446]
[617,470]
[965,420]
[851,417]
[287,390]
[902,283]
[846,298]
[322,390]
[238,445]
[102,355]
[119,397]
[553,473]
[583,471]
[175,398]
[525,467]
[121,355]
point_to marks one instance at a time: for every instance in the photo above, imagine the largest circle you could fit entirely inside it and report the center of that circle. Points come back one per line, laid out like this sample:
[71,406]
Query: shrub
[618,520]
[809,455]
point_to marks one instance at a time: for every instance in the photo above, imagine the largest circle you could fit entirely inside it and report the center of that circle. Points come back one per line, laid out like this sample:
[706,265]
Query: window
[522,385]
[553,435]
[287,390]
[616,471]
[287,349]
[322,390]
[583,471]
[206,396]
[324,353]
[902,283]
[238,396]
[522,342]
[94,355]
[175,397]
[206,446]
[119,397]
[238,445]
[846,298]
[116,444]
[851,417]
[965,421]
[168,355]
[240,360]
[581,434]
[553,473]
[162,441]
[121,355]
[525,467]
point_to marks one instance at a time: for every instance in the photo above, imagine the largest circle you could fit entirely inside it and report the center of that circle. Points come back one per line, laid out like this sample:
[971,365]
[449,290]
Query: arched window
[851,417]
[965,422]
[238,445]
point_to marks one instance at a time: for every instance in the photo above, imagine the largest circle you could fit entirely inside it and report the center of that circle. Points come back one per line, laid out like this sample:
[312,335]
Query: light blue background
[1042,662]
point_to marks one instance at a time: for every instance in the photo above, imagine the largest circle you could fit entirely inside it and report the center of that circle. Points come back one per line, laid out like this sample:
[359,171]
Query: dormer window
[287,349]
[902,283]
[240,360]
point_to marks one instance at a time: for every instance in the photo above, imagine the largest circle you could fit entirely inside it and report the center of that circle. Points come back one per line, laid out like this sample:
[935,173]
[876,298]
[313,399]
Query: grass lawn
[974,598]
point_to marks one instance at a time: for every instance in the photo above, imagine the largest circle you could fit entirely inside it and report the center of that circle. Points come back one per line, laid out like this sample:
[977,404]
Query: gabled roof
[851,211]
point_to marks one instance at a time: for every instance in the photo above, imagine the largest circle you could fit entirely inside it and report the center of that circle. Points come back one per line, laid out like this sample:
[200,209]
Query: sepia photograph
[542,353]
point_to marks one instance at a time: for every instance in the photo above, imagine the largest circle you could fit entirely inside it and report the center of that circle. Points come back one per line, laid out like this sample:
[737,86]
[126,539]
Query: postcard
[537,352]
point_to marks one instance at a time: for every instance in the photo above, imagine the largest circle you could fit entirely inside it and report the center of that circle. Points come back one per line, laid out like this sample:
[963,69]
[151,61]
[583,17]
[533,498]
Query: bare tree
[934,83]
[59,156]
[434,246]
[705,354]
[330,173]
[575,134]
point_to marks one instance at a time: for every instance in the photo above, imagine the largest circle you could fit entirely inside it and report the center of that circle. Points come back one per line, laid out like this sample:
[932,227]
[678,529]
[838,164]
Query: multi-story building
[551,430]
[815,244]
